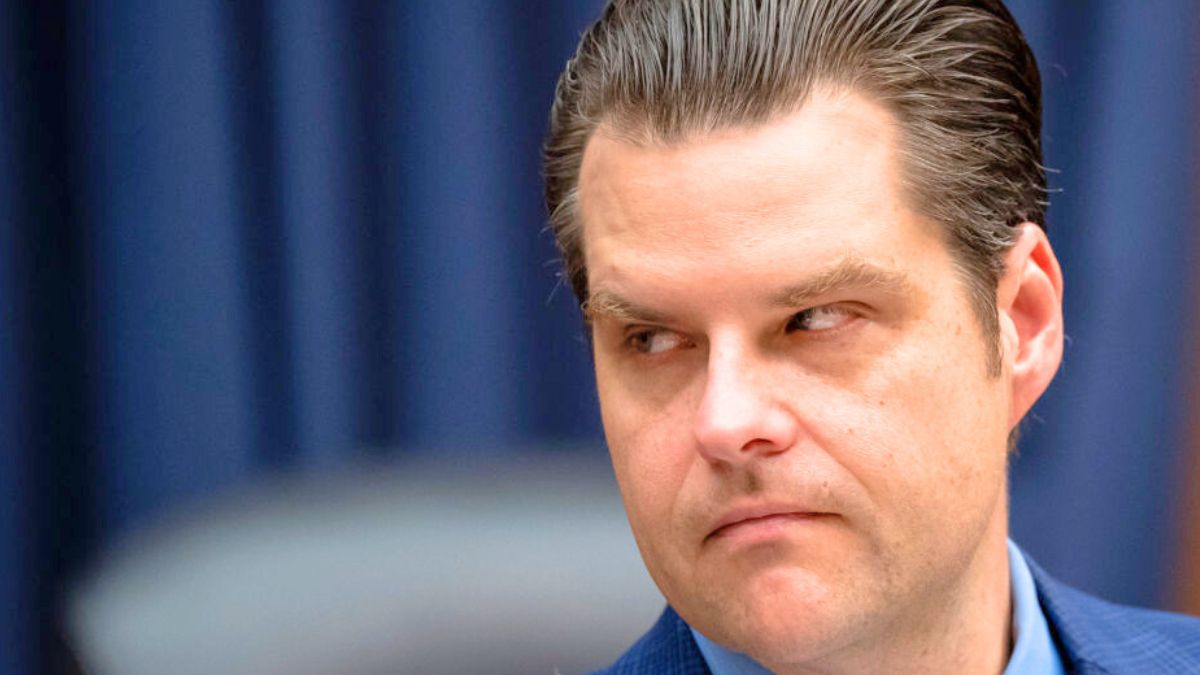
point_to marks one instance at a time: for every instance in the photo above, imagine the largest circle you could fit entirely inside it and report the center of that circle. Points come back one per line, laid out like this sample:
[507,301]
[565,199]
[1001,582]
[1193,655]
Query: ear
[1029,302]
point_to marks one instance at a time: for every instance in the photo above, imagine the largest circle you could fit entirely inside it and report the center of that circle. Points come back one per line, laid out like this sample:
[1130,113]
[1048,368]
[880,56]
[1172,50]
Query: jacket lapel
[1096,637]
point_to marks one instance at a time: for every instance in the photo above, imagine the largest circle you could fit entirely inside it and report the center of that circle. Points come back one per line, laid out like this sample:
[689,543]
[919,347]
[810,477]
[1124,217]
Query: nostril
[761,445]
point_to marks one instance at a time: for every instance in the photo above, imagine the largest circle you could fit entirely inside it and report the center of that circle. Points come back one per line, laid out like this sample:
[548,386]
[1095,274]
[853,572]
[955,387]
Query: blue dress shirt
[1033,652]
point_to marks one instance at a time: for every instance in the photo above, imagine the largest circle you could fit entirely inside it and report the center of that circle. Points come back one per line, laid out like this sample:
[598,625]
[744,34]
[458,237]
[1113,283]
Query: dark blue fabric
[16,637]
[244,237]
[1094,637]
[668,648]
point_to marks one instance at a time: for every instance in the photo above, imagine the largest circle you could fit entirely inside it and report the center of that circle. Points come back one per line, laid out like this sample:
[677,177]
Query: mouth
[761,523]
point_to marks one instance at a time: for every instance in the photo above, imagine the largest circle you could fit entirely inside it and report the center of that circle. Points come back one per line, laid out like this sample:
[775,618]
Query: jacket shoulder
[1097,636]
[668,648]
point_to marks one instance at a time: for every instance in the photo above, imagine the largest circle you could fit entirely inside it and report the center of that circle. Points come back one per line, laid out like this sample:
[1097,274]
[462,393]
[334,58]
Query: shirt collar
[1033,649]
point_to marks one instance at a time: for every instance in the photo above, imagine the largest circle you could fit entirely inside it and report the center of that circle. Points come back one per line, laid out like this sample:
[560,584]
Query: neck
[964,628]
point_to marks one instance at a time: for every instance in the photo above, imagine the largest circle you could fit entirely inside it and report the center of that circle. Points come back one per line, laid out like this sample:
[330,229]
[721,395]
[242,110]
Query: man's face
[793,385]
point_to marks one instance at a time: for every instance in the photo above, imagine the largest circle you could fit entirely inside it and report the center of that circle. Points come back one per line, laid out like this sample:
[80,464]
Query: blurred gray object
[489,566]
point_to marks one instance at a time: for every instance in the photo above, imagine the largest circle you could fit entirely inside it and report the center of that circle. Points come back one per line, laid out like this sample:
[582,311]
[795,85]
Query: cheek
[651,456]
[651,470]
[922,435]
[648,433]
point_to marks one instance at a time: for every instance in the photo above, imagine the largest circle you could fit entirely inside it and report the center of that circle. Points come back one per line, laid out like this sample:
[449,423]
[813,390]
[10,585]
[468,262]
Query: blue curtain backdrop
[240,237]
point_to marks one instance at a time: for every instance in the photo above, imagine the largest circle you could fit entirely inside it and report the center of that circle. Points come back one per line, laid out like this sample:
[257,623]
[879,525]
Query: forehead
[832,129]
[802,190]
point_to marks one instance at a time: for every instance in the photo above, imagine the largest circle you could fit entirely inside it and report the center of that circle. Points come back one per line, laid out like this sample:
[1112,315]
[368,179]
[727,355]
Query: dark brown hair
[957,75]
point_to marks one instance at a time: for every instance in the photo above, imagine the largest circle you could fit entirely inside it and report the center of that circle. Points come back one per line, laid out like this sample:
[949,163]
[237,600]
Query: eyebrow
[848,273]
[609,305]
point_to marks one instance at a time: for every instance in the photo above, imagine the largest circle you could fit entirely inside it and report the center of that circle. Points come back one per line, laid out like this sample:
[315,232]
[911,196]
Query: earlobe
[1029,302]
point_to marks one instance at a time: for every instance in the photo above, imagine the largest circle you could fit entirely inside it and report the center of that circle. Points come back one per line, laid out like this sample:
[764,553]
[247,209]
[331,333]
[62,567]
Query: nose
[741,415]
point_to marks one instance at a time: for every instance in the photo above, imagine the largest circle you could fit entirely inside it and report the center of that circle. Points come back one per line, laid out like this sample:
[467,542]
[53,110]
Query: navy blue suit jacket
[1094,637]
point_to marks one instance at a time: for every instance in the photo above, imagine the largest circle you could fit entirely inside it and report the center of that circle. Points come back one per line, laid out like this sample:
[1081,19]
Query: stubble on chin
[778,607]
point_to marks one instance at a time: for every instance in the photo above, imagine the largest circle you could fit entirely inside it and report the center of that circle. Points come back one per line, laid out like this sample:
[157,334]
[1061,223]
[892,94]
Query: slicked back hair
[957,75]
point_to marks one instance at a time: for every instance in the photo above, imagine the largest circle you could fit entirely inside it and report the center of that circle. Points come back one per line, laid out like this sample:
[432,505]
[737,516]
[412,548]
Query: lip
[761,520]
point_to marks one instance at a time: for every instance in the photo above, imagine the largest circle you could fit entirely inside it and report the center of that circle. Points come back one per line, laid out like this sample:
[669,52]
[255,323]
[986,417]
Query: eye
[655,341]
[825,317]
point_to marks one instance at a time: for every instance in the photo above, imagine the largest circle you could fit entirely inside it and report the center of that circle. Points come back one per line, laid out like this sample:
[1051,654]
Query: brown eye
[655,341]
[825,317]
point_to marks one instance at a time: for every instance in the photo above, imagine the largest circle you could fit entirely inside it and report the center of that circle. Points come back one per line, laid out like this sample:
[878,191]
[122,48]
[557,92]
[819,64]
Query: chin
[777,616]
